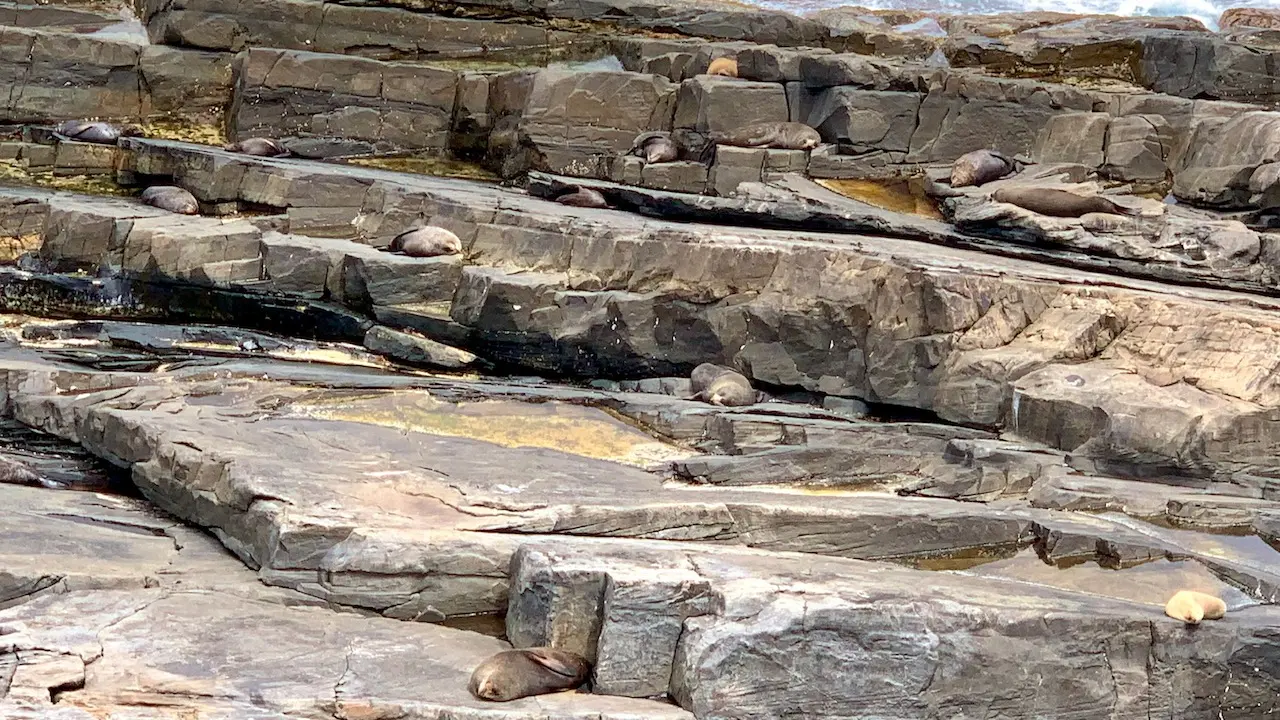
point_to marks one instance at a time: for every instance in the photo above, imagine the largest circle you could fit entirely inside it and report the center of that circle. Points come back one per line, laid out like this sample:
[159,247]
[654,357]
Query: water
[1206,11]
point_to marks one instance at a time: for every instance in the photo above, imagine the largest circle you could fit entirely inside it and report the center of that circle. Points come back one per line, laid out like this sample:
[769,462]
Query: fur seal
[979,167]
[261,147]
[724,67]
[1058,203]
[655,147]
[428,241]
[583,197]
[722,386]
[1191,607]
[171,198]
[776,135]
[95,132]
[513,674]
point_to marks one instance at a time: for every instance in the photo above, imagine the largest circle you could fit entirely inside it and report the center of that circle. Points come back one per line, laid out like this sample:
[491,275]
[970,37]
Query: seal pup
[95,131]
[655,147]
[1058,203]
[513,674]
[583,197]
[719,385]
[775,135]
[981,166]
[261,147]
[428,241]
[1191,607]
[724,67]
[171,198]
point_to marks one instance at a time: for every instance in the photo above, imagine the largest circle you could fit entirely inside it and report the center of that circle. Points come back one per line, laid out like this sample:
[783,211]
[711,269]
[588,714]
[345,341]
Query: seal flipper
[551,662]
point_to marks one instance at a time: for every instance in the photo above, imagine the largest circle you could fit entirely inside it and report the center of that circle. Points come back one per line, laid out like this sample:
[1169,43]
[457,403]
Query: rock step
[167,620]
[1060,357]
[329,531]
[820,636]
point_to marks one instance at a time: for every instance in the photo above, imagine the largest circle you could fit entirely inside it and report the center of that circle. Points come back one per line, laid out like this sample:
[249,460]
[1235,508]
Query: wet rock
[416,350]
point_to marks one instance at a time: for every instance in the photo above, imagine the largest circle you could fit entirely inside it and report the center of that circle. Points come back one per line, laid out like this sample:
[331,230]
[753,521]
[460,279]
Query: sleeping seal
[722,386]
[428,241]
[583,197]
[655,147]
[171,198]
[979,167]
[776,135]
[1191,607]
[513,674]
[261,147]
[95,132]
[724,67]
[1058,203]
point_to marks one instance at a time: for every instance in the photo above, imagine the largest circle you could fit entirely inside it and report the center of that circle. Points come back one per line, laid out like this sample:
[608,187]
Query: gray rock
[709,104]
[416,350]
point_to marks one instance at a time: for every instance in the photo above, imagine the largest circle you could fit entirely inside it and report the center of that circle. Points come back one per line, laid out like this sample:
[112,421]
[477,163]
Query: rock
[709,104]
[734,166]
[712,617]
[378,278]
[393,105]
[866,121]
[416,350]
[1248,17]
[607,111]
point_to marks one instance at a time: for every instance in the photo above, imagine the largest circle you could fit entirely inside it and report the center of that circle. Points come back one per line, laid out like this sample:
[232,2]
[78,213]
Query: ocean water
[1206,11]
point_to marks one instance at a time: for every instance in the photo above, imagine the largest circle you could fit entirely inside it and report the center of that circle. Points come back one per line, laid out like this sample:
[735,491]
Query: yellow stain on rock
[583,431]
[896,195]
[427,165]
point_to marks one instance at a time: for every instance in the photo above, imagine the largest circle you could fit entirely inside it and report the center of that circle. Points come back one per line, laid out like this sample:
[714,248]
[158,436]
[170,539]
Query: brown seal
[261,147]
[775,135]
[428,241]
[583,197]
[720,385]
[513,674]
[1191,607]
[724,67]
[979,167]
[655,147]
[1058,203]
[95,132]
[171,198]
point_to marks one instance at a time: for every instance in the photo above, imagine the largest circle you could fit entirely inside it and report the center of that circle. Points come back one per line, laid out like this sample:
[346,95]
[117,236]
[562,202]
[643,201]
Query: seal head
[719,385]
[260,147]
[979,167]
[583,197]
[429,241]
[724,67]
[171,198]
[513,674]
[655,147]
[1191,607]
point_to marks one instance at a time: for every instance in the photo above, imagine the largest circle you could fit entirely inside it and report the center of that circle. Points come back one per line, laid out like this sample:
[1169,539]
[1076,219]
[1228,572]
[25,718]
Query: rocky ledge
[262,461]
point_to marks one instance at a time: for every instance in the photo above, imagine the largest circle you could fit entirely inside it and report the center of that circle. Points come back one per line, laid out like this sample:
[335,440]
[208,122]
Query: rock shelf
[989,443]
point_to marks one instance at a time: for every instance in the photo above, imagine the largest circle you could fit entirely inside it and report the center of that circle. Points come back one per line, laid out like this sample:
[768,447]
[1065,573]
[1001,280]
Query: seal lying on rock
[513,674]
[261,147]
[95,132]
[428,241]
[583,197]
[655,147]
[980,167]
[722,386]
[1058,203]
[724,67]
[1191,607]
[171,198]
[775,135]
